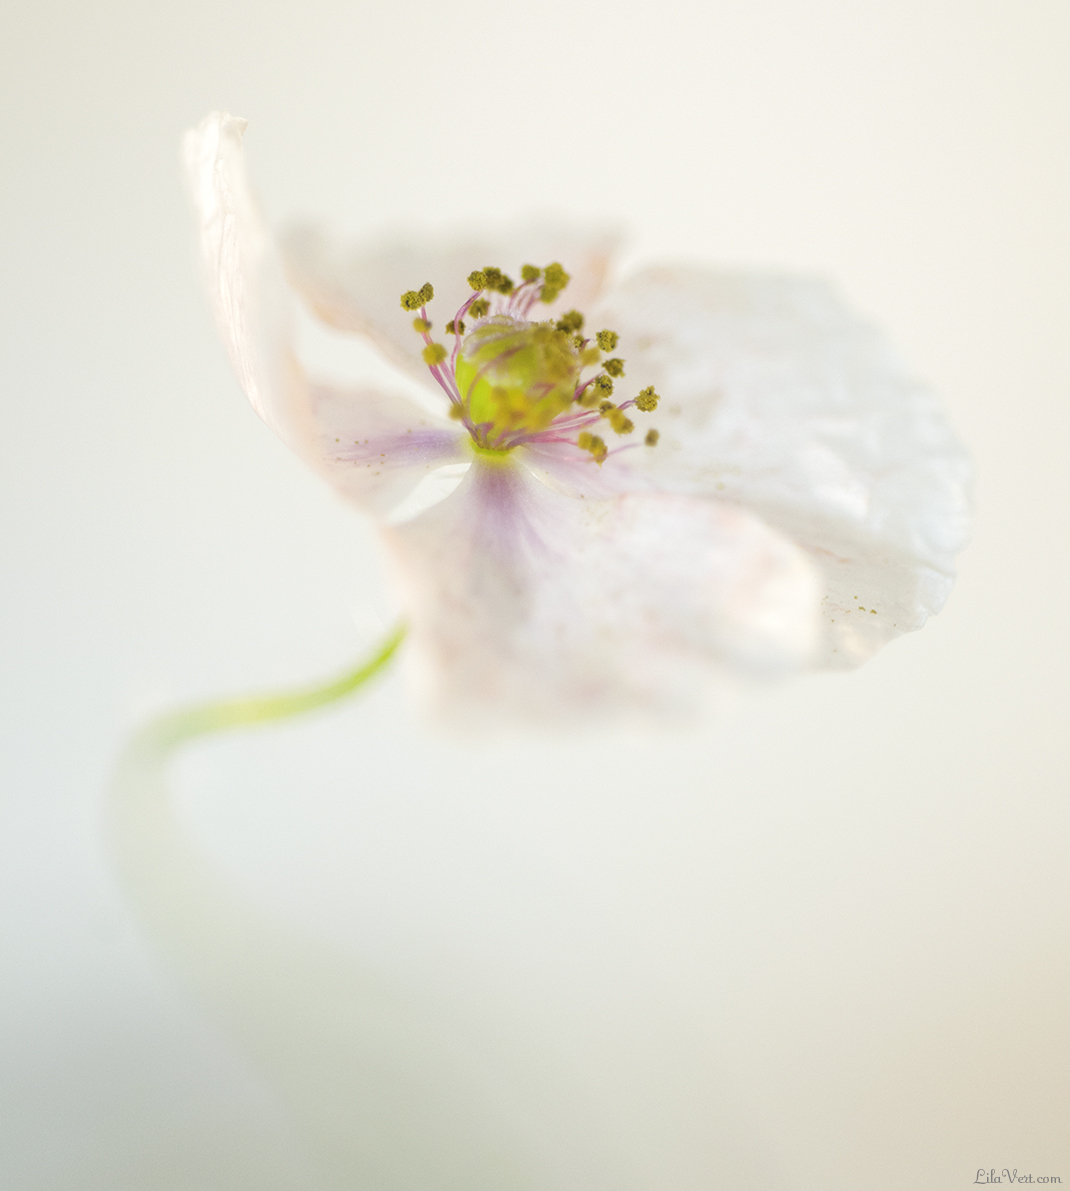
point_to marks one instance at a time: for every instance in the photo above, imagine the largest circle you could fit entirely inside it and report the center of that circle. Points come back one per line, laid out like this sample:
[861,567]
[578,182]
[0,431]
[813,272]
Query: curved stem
[374,1090]
[176,727]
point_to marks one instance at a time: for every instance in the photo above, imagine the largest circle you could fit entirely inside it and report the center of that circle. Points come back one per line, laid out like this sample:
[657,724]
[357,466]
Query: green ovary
[527,375]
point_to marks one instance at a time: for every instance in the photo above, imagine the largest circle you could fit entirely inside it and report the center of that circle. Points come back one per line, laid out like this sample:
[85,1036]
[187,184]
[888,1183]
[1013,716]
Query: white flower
[801,508]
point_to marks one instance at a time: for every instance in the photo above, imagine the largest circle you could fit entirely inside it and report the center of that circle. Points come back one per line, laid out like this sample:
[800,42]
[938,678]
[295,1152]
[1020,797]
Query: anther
[652,437]
[530,273]
[647,400]
[604,386]
[607,340]
[434,354]
[421,325]
[554,281]
[495,279]
[571,320]
[620,422]
[614,367]
[427,292]
[479,308]
[477,279]
[453,328]
[411,300]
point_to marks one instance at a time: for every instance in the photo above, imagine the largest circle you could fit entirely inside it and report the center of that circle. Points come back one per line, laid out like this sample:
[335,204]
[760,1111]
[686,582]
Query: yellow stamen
[570,321]
[495,279]
[554,281]
[647,401]
[592,443]
[620,422]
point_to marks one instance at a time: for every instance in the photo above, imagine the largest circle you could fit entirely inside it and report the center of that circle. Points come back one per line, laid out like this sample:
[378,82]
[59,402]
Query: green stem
[177,727]
[372,1086]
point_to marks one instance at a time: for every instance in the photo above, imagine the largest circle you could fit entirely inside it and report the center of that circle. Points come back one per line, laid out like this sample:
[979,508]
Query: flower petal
[244,275]
[777,397]
[357,288]
[374,446]
[526,603]
[563,466]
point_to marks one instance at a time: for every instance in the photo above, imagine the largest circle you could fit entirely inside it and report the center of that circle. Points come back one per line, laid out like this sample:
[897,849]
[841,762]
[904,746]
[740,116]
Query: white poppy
[799,504]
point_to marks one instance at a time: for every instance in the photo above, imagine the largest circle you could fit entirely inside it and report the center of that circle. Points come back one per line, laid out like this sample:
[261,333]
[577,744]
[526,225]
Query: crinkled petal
[358,288]
[527,604]
[779,398]
[374,446]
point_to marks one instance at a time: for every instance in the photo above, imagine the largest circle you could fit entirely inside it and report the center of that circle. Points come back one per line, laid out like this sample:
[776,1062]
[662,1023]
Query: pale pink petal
[563,466]
[778,397]
[527,604]
[374,446]
[357,288]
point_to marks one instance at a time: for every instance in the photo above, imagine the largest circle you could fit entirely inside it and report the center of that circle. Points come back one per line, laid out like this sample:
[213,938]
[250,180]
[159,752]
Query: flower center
[515,377]
[514,380]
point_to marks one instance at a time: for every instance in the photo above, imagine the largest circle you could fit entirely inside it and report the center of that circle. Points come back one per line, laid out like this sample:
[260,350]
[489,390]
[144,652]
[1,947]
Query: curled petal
[529,603]
[777,397]
[372,445]
[244,276]
[357,288]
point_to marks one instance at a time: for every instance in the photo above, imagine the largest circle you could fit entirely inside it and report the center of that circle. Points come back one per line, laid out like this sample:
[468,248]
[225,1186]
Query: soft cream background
[820,944]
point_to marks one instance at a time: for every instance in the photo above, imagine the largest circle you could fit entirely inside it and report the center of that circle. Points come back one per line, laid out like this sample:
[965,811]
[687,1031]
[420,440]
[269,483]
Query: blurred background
[820,943]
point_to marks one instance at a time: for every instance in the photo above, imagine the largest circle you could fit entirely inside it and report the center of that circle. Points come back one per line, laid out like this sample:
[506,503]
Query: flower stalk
[176,728]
